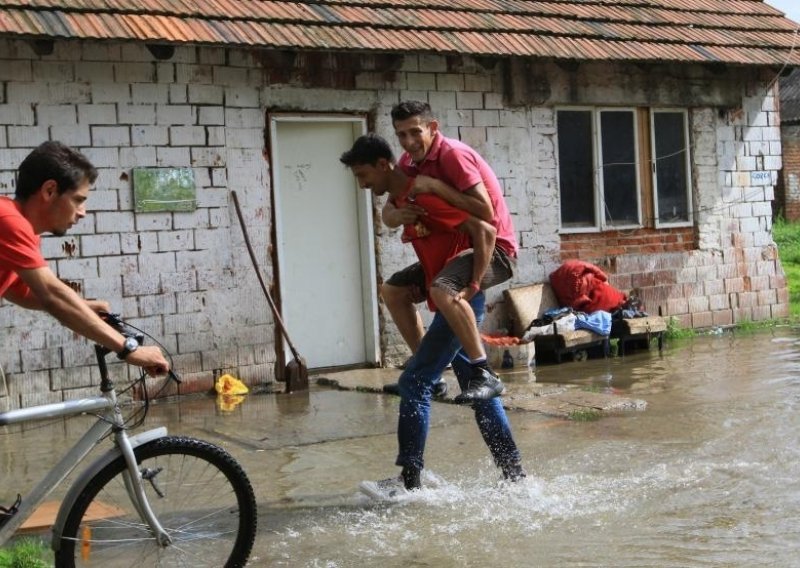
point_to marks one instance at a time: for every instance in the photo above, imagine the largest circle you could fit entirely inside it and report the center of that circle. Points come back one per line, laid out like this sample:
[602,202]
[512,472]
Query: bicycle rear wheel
[199,493]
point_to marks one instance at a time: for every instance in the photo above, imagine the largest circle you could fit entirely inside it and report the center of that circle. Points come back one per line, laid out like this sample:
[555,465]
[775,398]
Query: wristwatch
[128,347]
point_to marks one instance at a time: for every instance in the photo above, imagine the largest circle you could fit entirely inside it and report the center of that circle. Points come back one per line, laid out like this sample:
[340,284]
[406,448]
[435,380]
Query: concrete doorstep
[522,393]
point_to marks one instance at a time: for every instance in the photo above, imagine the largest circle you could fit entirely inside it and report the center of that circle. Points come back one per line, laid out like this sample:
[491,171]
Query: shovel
[296,373]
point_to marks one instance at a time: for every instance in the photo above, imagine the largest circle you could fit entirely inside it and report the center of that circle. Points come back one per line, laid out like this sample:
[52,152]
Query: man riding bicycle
[53,184]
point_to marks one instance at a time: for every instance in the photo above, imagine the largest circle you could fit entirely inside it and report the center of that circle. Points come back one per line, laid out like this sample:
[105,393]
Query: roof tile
[747,32]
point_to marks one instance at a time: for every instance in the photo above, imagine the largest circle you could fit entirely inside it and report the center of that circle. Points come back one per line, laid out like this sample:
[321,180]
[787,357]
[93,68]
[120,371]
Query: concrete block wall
[186,277]
[183,277]
[734,273]
[739,274]
[736,156]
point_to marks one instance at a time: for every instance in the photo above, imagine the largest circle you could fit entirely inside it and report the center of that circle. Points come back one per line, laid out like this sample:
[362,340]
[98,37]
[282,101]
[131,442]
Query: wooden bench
[638,332]
[527,303]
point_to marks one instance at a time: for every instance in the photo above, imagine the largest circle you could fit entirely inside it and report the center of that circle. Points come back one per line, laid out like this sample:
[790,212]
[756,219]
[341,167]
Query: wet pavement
[699,467]
[523,392]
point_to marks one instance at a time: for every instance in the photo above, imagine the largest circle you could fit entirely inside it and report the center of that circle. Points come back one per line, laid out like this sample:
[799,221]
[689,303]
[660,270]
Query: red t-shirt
[461,167]
[19,247]
[435,238]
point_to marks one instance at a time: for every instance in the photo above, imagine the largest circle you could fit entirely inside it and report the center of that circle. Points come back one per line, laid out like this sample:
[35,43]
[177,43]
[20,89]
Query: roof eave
[701,54]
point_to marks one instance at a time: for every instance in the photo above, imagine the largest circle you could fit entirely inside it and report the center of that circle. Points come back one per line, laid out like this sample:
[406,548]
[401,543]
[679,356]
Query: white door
[325,241]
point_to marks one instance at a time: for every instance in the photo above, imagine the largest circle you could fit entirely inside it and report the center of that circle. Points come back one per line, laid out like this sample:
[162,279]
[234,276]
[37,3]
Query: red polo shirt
[461,167]
[19,247]
[435,238]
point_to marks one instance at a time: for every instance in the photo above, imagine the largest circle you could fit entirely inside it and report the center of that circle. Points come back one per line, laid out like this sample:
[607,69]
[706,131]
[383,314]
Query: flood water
[707,475]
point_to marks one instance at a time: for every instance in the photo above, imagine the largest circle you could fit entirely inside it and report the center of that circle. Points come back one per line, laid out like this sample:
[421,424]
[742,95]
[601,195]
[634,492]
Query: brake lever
[115,321]
[112,319]
[174,376]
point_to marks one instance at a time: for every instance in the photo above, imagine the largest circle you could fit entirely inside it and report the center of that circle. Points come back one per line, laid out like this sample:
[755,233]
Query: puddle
[708,475]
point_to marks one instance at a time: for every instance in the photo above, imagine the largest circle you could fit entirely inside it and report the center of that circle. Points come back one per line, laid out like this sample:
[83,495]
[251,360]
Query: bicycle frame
[110,419]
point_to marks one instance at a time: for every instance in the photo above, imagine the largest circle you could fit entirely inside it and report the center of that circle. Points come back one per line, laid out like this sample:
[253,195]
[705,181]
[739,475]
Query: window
[576,168]
[671,167]
[619,183]
[601,179]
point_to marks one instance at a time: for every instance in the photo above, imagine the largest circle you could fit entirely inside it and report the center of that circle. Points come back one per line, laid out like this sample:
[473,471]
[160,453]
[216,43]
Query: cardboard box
[522,356]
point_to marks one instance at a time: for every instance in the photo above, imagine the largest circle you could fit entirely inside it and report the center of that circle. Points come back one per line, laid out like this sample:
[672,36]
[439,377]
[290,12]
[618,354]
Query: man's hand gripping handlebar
[149,357]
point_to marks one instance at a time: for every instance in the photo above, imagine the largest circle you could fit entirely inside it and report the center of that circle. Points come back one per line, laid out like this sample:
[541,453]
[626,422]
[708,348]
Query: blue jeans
[439,348]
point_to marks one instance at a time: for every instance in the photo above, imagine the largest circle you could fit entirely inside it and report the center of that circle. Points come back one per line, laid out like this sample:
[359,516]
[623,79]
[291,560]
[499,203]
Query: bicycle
[151,500]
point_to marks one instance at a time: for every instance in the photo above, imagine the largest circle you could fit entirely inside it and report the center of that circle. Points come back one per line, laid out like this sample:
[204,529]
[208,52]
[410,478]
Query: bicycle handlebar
[115,321]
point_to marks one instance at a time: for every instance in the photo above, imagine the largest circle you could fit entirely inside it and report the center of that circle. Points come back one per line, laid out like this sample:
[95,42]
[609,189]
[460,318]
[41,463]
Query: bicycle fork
[134,484]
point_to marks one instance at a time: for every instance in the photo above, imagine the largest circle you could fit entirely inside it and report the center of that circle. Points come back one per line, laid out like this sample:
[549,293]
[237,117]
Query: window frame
[646,170]
[687,163]
[597,206]
[600,188]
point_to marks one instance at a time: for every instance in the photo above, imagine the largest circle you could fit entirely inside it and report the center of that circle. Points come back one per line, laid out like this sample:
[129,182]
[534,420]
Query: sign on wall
[164,189]
[760,178]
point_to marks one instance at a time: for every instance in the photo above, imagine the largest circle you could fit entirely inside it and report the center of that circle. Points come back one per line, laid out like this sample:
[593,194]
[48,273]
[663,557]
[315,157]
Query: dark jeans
[438,348]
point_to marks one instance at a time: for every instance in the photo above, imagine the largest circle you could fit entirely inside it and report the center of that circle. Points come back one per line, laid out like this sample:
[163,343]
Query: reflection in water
[708,475]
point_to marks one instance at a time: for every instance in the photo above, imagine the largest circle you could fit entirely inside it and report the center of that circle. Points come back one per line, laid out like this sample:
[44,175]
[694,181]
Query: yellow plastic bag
[228,384]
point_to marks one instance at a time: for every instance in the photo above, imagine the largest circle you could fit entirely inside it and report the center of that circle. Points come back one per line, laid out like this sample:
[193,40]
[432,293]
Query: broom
[296,372]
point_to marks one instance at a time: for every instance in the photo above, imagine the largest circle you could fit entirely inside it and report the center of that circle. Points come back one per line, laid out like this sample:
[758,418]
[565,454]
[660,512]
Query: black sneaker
[514,472]
[482,385]
[439,389]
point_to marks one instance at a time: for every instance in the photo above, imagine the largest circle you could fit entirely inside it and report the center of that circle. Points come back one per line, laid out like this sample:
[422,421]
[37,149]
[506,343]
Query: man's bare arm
[31,302]
[63,303]
[474,200]
[28,301]
[482,235]
[394,216]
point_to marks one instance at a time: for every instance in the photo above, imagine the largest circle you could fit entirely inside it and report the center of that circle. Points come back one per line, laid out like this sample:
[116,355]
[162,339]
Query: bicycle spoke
[204,506]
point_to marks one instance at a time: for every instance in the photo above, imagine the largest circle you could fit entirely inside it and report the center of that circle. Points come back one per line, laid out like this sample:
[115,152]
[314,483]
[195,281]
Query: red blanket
[585,288]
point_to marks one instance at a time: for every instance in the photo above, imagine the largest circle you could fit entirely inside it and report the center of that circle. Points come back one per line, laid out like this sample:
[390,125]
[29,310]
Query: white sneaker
[384,489]
[393,488]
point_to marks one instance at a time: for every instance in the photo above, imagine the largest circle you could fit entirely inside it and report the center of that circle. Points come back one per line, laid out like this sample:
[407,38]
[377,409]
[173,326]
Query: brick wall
[172,274]
[788,189]
[593,246]
[179,274]
[726,269]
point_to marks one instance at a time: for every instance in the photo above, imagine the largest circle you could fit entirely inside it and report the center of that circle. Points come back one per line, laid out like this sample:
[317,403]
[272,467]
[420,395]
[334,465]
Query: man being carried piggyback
[456,173]
[442,238]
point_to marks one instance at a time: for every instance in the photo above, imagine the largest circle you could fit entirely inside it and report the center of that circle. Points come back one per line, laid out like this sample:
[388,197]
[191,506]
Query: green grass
[585,415]
[675,331]
[753,326]
[787,237]
[26,553]
[793,278]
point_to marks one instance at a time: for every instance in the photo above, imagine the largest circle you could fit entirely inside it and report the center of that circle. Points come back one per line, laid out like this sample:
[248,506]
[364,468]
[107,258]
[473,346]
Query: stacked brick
[186,277]
[789,184]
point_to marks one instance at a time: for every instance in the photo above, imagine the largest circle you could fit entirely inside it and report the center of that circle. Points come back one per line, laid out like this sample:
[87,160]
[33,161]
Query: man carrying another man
[444,233]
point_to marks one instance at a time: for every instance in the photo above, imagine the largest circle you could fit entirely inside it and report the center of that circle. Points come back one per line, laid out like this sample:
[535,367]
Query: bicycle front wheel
[199,494]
